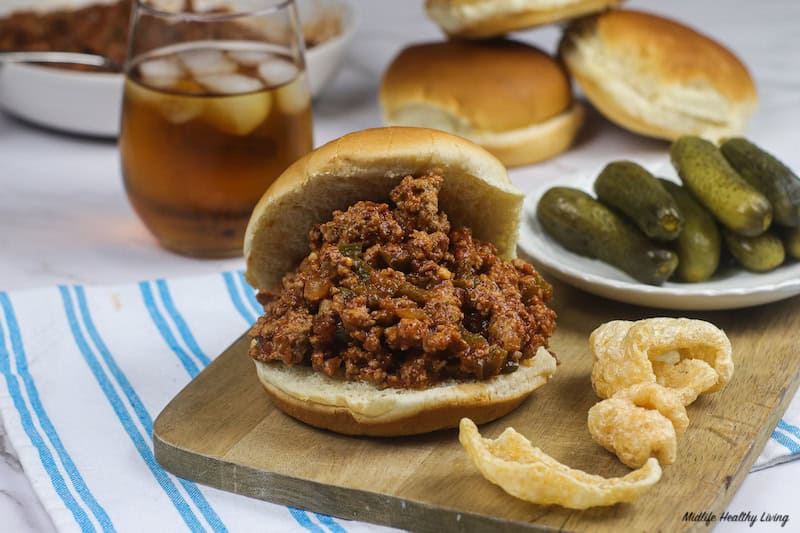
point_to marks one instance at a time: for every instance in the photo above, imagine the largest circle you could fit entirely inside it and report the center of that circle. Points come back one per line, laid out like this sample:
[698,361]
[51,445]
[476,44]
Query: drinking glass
[216,105]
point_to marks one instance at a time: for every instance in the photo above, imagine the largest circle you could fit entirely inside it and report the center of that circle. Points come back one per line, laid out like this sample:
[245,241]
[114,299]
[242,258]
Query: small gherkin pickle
[791,241]
[761,253]
[635,192]
[716,185]
[698,245]
[771,177]
[585,226]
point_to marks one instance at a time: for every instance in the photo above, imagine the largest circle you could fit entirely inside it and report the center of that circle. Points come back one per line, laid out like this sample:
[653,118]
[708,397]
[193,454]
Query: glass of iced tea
[216,105]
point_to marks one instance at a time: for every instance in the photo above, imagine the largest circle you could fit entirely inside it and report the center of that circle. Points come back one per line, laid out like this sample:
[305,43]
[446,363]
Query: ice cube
[250,58]
[183,106]
[230,83]
[170,6]
[188,86]
[205,6]
[277,72]
[294,98]
[206,61]
[163,67]
[138,92]
[174,107]
[180,109]
[159,82]
[240,114]
[160,73]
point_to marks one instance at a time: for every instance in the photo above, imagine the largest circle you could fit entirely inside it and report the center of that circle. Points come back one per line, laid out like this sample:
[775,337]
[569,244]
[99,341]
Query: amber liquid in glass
[205,131]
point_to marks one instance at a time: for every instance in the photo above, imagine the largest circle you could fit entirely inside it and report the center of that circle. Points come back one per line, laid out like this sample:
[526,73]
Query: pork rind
[614,368]
[692,339]
[628,353]
[640,422]
[688,377]
[524,471]
[655,397]
[634,434]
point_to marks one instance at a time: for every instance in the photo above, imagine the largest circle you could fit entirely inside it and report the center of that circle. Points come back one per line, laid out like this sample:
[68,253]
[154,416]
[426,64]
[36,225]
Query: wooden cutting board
[221,430]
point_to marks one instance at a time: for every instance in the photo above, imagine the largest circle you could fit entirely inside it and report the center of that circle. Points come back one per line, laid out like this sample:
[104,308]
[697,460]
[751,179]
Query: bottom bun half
[358,408]
[537,142]
[517,147]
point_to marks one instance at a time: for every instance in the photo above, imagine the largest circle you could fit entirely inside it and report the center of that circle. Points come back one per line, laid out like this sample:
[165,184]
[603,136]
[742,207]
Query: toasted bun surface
[357,408]
[657,77]
[366,165]
[508,97]
[489,18]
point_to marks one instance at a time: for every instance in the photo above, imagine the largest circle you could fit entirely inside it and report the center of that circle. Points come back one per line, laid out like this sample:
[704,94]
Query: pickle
[717,186]
[791,241]
[632,190]
[771,177]
[585,226]
[760,253]
[698,244]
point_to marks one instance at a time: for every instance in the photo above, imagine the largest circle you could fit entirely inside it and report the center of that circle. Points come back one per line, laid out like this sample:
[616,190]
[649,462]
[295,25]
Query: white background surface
[64,217]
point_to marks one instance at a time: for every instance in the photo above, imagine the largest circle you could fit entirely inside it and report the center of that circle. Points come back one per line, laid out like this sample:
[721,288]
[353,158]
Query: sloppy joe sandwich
[657,77]
[509,97]
[393,301]
[489,18]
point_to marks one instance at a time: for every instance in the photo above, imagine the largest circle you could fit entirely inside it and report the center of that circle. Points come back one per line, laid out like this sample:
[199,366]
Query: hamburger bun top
[658,77]
[366,165]
[492,86]
[508,97]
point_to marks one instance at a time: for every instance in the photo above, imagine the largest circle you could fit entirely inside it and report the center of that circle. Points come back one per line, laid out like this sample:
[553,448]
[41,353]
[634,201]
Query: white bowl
[89,103]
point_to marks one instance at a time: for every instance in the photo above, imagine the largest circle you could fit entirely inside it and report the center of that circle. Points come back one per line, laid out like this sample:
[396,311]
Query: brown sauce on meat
[398,298]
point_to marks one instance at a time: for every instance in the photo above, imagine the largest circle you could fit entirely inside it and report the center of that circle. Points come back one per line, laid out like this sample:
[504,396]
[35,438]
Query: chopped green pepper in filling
[398,298]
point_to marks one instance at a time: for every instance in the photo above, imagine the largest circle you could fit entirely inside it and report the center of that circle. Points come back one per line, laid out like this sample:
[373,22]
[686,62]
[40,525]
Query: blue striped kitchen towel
[85,370]
[784,443]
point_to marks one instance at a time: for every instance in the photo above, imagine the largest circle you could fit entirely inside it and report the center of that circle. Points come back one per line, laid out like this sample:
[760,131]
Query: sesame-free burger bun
[359,408]
[366,165]
[509,97]
[657,77]
[490,18]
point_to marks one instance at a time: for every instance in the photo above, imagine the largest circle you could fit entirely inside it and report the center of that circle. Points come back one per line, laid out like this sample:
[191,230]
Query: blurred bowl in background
[89,103]
[325,59]
[72,101]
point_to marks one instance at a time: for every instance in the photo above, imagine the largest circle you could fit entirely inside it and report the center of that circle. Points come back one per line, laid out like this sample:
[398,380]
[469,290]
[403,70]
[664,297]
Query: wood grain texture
[221,430]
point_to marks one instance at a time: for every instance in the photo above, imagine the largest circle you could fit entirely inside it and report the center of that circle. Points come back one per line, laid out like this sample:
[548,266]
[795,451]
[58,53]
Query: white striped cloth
[86,370]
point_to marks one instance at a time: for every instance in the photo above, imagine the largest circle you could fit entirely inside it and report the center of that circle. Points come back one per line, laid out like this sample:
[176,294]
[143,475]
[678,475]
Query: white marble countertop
[65,218]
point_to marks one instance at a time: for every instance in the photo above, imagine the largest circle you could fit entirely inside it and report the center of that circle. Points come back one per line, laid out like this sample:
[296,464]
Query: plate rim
[667,296]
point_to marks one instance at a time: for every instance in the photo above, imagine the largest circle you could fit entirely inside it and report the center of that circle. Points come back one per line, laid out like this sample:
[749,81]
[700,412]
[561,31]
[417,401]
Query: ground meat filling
[397,298]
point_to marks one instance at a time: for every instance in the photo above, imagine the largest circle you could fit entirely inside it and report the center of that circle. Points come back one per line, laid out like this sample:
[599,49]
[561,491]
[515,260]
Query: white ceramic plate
[729,289]
[89,103]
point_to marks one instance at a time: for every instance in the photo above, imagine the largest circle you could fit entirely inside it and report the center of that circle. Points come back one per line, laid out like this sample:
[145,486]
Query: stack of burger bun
[646,73]
[511,98]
